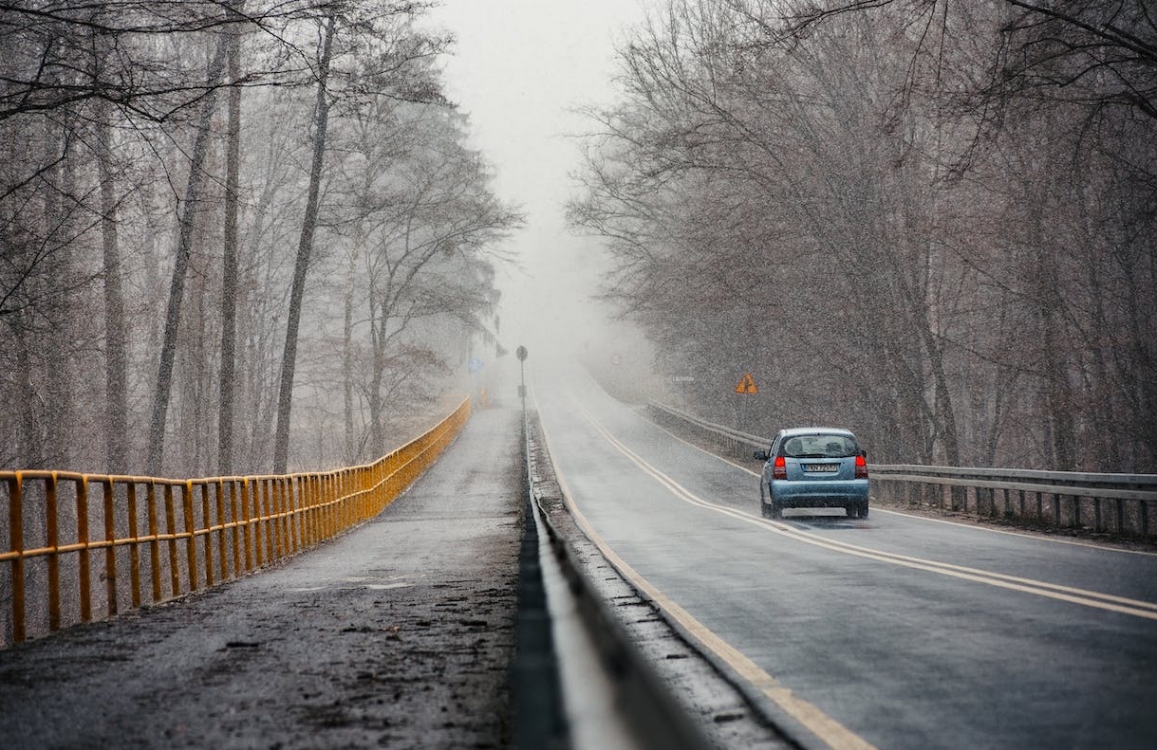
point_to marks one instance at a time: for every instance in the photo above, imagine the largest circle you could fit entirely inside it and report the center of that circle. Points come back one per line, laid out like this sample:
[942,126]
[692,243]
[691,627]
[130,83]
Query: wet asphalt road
[911,633]
[398,634]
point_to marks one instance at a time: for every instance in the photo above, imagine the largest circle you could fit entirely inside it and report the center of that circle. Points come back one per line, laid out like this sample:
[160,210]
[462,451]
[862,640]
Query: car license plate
[822,467]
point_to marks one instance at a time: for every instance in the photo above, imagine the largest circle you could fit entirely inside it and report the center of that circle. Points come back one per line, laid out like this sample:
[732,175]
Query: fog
[521,69]
[273,241]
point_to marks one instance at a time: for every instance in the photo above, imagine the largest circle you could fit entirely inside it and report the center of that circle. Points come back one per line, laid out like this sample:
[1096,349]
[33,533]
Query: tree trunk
[31,441]
[301,267]
[347,365]
[115,336]
[377,423]
[181,264]
[229,261]
[58,233]
[1049,311]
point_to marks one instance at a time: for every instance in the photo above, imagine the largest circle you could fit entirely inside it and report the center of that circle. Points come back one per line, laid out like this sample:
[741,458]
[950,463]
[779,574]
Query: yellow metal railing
[71,536]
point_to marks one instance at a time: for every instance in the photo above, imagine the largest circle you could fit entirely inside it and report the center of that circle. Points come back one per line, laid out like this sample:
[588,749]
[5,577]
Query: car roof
[792,431]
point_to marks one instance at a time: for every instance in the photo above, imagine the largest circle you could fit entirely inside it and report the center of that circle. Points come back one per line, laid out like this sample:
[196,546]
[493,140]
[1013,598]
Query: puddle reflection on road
[822,518]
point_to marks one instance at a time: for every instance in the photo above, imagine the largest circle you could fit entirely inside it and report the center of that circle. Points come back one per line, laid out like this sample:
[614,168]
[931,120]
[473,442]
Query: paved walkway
[398,634]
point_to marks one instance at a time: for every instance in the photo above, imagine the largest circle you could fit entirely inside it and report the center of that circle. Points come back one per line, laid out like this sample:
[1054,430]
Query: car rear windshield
[820,446]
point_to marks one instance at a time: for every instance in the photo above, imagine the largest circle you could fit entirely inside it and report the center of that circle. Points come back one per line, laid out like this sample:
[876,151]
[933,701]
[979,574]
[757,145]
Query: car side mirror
[761,455]
[864,453]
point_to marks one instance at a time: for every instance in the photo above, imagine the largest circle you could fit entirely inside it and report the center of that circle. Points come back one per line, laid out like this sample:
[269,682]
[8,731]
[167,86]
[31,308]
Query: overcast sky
[519,68]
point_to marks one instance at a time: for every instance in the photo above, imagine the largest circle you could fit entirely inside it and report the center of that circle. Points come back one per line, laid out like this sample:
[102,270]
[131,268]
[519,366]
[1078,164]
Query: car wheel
[852,509]
[776,509]
[763,509]
[864,509]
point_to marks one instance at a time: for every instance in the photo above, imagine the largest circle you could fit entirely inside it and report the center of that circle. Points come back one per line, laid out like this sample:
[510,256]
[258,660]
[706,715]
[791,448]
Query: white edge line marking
[957,524]
[827,729]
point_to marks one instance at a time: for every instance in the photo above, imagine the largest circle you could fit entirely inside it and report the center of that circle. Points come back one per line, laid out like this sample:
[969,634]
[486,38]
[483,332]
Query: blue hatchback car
[814,467]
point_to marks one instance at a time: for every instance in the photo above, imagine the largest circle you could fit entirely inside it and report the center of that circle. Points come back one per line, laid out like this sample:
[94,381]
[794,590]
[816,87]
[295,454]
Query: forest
[235,237]
[931,221]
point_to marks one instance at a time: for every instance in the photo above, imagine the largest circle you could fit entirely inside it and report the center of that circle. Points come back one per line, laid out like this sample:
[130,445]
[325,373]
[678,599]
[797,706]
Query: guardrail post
[269,510]
[16,544]
[331,514]
[222,542]
[260,526]
[171,533]
[261,514]
[207,520]
[329,483]
[191,539]
[308,512]
[310,520]
[235,526]
[110,558]
[293,508]
[247,530]
[134,545]
[154,542]
[85,555]
[278,518]
[318,502]
[52,537]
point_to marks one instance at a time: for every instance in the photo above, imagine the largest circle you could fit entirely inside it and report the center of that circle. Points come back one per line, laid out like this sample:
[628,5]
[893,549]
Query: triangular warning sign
[747,384]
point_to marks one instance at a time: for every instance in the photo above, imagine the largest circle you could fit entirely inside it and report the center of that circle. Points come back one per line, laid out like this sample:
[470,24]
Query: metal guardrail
[1113,503]
[739,443]
[536,701]
[70,536]
[614,691]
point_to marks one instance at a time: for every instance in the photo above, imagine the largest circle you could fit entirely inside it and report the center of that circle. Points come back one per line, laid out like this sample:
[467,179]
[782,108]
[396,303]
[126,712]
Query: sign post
[520,352]
[746,387]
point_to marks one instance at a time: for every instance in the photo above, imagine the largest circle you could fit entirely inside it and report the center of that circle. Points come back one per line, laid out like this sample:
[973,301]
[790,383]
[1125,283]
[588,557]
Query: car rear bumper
[826,494]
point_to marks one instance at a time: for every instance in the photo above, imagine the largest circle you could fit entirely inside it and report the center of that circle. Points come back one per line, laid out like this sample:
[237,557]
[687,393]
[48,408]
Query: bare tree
[304,249]
[888,197]
[107,115]
[419,215]
[1102,52]
[225,415]
[116,334]
[191,207]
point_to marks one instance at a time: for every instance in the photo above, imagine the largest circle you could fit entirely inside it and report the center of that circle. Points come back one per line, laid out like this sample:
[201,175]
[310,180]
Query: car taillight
[861,467]
[779,468]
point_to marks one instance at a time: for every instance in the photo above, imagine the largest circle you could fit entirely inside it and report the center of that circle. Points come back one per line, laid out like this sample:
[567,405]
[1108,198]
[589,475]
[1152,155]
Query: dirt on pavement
[397,634]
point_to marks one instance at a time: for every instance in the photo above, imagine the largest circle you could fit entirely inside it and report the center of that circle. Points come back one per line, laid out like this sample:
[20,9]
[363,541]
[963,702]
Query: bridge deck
[398,633]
